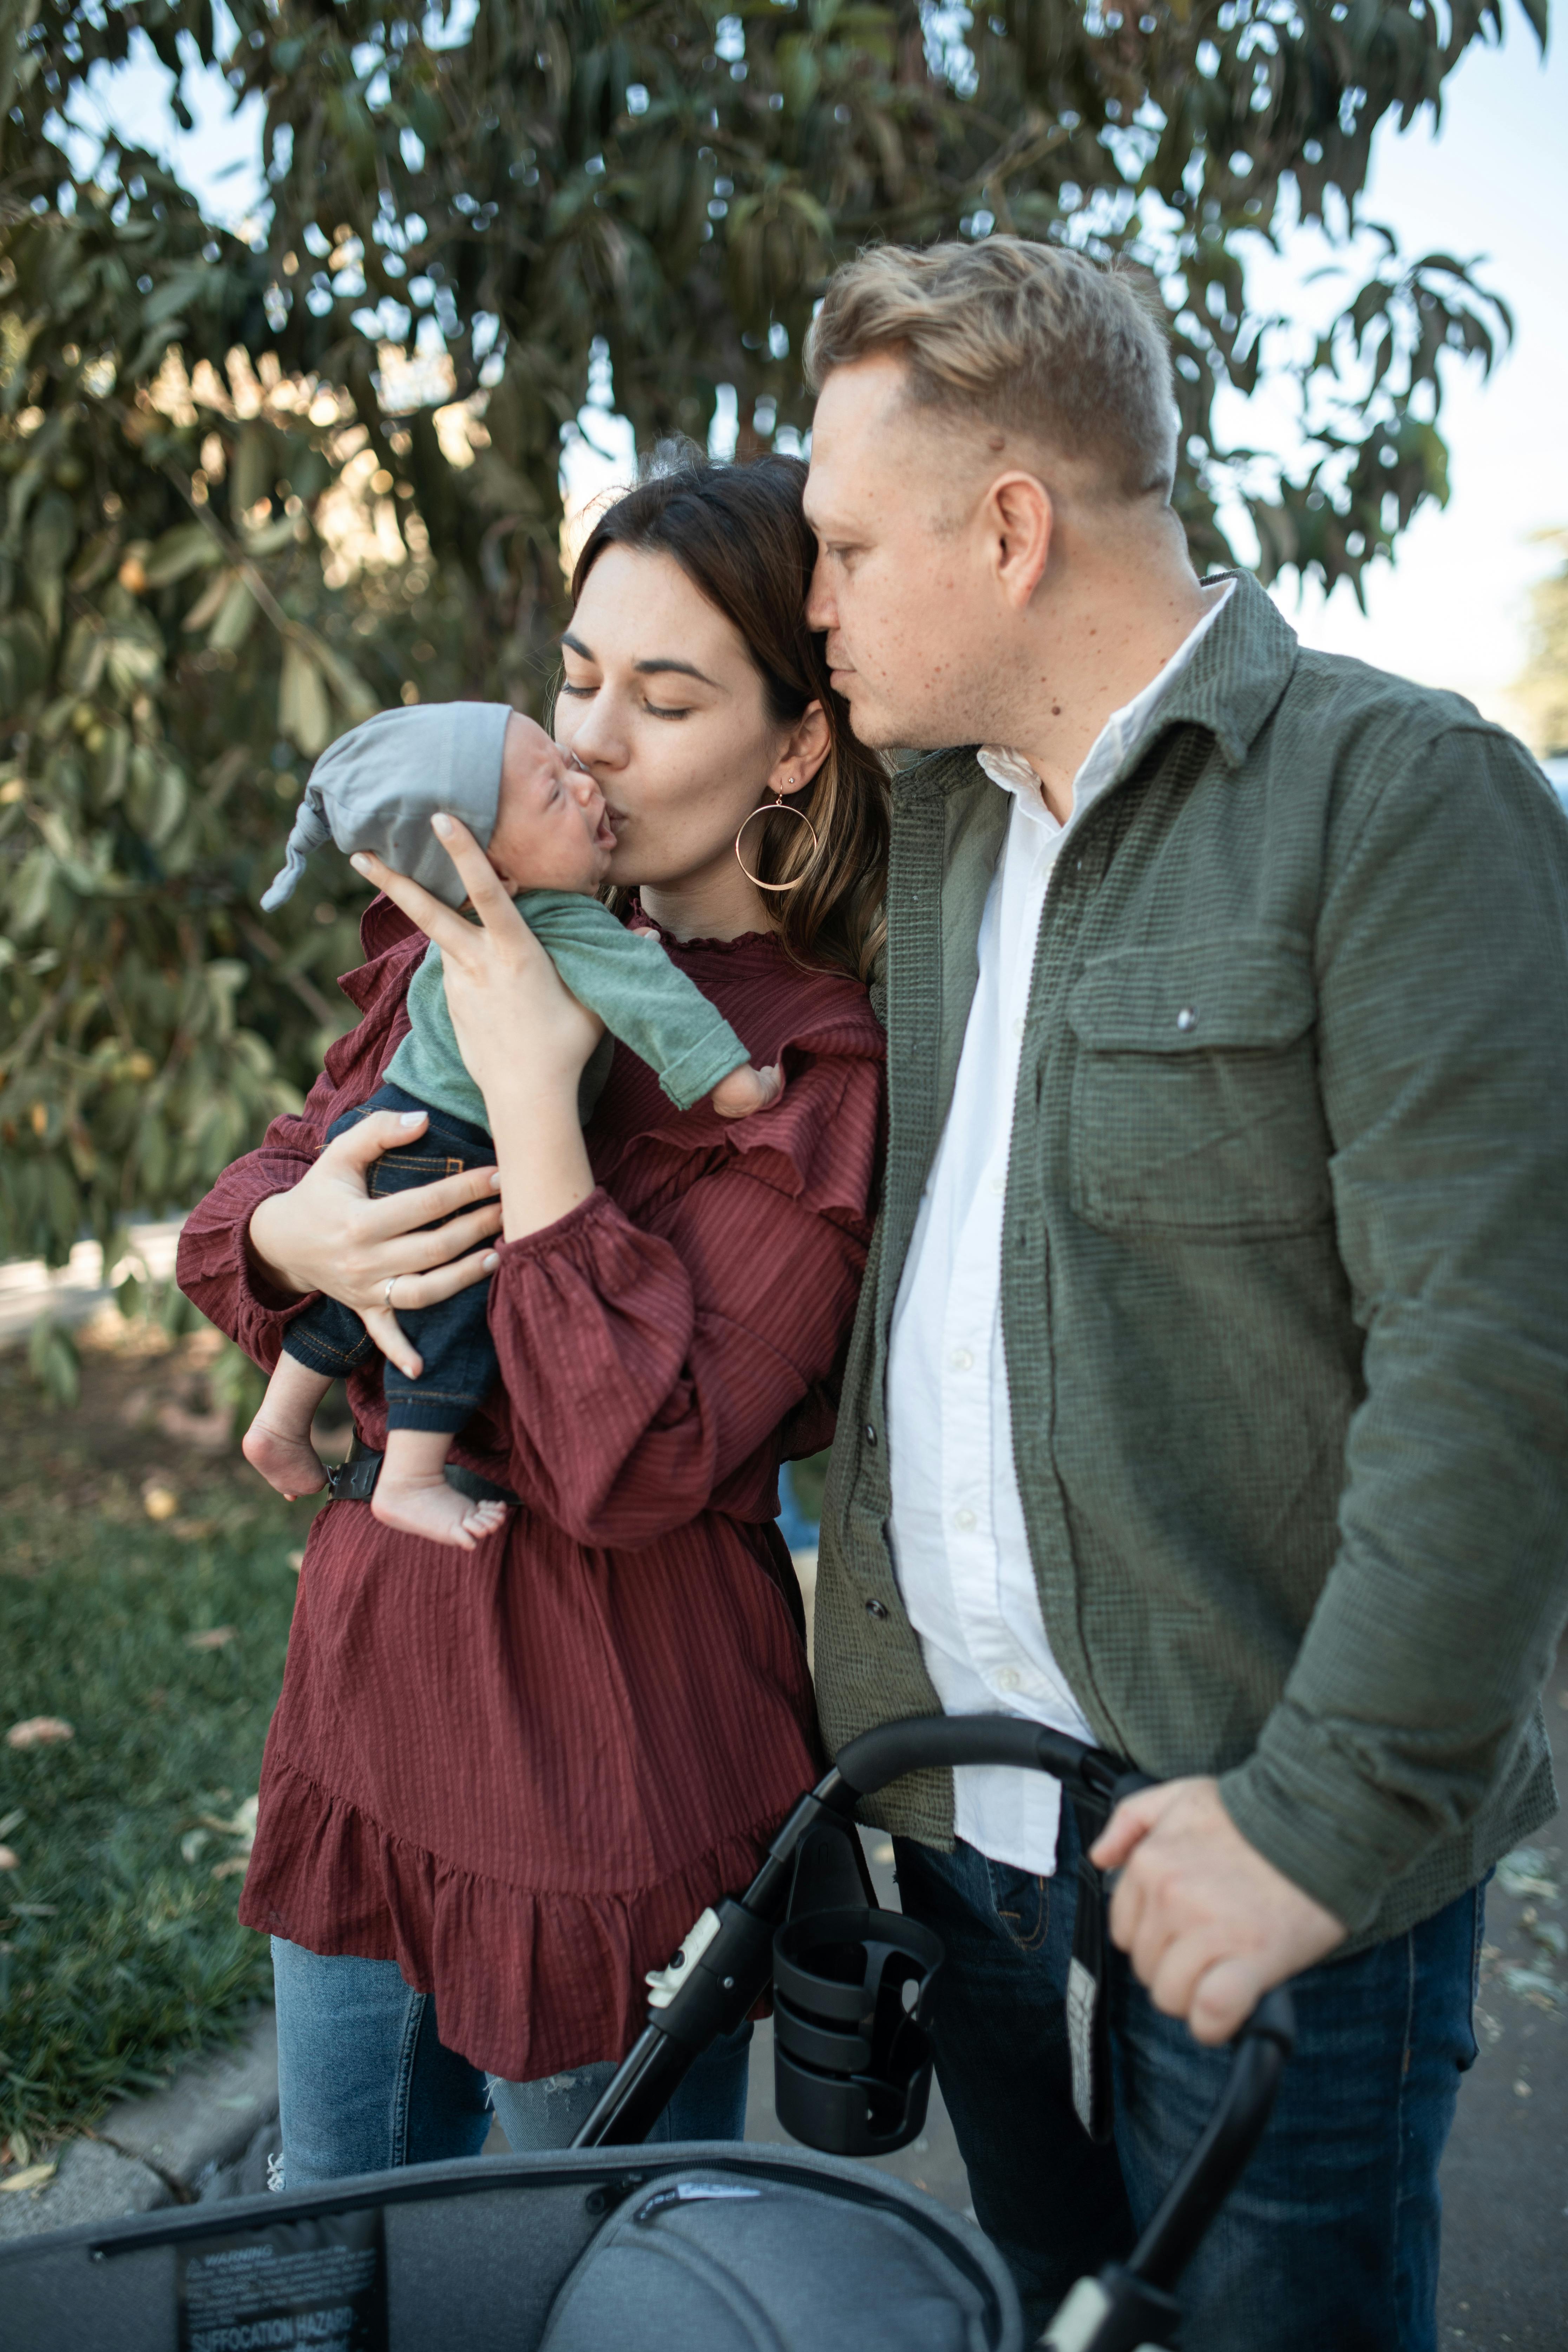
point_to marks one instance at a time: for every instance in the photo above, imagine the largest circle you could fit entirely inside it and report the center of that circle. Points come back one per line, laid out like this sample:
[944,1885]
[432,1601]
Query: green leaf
[187,549]
[54,1364]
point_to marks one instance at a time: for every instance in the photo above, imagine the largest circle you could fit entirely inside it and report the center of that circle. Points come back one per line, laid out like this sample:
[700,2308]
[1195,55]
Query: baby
[541,820]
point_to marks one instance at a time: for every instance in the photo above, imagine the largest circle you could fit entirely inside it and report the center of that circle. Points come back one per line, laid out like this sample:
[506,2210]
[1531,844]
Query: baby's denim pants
[453,1336]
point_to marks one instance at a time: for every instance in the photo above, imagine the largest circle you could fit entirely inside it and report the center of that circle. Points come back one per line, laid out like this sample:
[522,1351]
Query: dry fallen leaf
[9,1858]
[241,1825]
[32,2175]
[18,2149]
[39,1731]
[214,1639]
[159,1502]
[235,1867]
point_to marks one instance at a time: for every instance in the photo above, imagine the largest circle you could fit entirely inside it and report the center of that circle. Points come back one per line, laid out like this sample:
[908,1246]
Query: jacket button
[870,1432]
[1186,1018]
[875,1609]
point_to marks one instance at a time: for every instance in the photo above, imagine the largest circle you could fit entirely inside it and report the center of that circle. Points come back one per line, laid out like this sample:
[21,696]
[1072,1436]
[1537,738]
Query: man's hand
[1209,1926]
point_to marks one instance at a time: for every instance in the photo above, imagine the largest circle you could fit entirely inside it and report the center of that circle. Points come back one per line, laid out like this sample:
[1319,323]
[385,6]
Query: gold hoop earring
[769,808]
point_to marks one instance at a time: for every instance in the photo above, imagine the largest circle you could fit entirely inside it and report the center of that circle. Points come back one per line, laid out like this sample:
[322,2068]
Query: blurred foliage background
[1544,687]
[257,484]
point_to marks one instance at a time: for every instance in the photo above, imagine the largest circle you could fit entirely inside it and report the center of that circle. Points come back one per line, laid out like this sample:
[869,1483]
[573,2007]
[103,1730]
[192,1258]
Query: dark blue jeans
[453,1338]
[1330,2241]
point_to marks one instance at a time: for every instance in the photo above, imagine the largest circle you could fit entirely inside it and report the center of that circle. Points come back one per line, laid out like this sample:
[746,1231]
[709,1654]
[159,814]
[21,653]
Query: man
[1209,1395]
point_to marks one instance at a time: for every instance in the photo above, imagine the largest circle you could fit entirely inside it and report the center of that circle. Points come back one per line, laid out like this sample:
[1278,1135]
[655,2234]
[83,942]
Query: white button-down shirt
[959,1545]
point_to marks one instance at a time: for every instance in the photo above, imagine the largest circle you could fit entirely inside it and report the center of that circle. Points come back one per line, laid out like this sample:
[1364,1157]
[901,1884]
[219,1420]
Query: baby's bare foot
[427,1507]
[285,1459]
[746,1090]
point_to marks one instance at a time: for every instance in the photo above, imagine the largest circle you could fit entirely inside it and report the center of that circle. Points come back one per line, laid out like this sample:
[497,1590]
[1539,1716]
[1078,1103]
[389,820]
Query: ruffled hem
[525,1984]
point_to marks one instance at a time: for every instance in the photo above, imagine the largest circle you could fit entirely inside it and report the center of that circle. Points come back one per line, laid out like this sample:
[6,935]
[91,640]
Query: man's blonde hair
[1030,337]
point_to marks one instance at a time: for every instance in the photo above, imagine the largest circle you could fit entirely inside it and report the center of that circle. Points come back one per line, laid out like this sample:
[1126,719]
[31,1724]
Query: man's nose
[821,613]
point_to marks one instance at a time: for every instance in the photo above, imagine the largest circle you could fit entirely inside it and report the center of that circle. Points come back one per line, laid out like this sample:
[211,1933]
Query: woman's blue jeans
[1328,2243]
[366,2083]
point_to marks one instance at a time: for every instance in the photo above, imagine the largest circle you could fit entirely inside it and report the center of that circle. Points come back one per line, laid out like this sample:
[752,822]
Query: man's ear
[1020,520]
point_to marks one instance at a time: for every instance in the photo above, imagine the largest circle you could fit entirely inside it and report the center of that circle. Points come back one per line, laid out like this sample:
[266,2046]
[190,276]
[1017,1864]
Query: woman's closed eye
[654,710]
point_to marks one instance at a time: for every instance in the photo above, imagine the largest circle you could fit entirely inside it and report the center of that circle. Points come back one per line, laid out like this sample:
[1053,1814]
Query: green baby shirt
[622,976]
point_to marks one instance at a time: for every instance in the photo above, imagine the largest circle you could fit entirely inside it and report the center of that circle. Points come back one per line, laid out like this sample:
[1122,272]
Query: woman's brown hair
[740,535]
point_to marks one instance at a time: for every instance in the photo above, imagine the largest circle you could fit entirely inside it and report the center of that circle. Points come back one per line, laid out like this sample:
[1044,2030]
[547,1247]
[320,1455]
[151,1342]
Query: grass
[120,1949]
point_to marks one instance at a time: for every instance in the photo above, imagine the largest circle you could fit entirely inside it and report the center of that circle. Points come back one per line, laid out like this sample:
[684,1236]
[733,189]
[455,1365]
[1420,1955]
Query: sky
[1491,185]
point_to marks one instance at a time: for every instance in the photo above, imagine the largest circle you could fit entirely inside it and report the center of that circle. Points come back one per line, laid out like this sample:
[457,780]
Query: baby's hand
[746,1090]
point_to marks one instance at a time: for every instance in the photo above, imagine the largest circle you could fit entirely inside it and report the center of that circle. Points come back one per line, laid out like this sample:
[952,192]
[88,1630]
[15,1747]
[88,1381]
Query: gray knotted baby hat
[378,787]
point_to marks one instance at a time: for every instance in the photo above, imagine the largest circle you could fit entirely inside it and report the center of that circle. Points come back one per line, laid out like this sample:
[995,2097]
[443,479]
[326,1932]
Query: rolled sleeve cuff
[716,1054]
[1303,1803]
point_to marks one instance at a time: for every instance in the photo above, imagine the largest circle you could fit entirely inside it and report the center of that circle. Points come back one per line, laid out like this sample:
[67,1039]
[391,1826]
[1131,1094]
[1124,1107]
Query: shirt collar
[1124,729]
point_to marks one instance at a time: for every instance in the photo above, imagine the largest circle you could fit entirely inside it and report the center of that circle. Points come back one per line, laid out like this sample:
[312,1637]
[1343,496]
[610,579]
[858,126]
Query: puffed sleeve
[214,1267]
[650,1365]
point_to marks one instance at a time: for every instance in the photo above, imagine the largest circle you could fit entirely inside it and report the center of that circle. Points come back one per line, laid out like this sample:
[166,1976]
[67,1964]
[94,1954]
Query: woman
[501,1785]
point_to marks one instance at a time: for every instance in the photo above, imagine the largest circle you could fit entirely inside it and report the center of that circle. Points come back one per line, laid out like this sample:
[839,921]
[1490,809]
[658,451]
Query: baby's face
[551,832]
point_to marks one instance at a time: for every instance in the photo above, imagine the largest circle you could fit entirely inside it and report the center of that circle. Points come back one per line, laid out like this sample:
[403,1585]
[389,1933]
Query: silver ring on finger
[387,1292]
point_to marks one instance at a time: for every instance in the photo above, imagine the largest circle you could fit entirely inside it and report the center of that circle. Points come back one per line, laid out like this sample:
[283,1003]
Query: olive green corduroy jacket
[1285,1266]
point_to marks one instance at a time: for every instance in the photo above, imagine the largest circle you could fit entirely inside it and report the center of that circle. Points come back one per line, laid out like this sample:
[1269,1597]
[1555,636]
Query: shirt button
[1008,1679]
[1186,1018]
[960,1360]
[964,1520]
[870,1432]
[875,1609]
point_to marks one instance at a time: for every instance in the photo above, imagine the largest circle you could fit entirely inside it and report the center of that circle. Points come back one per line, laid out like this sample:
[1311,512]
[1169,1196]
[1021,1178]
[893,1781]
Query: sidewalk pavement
[208,2135]
[74,1291]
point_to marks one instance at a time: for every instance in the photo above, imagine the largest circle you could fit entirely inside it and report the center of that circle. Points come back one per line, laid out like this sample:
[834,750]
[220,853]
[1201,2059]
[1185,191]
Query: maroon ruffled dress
[521,1773]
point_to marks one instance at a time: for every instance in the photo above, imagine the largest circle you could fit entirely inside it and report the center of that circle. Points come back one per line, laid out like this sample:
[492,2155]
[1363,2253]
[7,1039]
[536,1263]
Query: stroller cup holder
[852,2051]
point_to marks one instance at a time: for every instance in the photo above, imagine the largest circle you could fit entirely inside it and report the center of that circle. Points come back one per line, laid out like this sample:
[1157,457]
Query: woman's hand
[523,1036]
[326,1233]
[519,1030]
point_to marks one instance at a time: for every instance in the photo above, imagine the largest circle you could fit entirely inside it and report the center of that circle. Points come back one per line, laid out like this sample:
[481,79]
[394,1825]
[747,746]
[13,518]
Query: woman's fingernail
[410,1117]
[495,1179]
[360,863]
[443,826]
[489,1260]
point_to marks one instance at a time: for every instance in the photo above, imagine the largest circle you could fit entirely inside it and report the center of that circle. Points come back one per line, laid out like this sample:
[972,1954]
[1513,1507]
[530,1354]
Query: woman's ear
[805,748]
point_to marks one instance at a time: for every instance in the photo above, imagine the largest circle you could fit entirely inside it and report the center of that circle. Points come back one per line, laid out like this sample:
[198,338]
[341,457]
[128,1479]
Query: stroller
[612,2246]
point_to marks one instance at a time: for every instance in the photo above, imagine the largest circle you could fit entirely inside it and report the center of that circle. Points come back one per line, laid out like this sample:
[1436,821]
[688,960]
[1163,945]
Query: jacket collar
[1237,673]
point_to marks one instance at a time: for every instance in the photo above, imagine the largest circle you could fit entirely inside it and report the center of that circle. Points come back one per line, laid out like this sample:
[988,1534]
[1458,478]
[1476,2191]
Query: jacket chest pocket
[1195,1102]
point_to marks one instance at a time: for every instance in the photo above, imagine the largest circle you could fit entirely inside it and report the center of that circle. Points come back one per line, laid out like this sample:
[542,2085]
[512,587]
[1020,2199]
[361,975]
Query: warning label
[319,2285]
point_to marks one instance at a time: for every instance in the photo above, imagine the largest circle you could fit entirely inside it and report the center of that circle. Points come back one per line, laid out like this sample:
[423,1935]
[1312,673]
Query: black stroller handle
[869,1763]
[716,1980]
